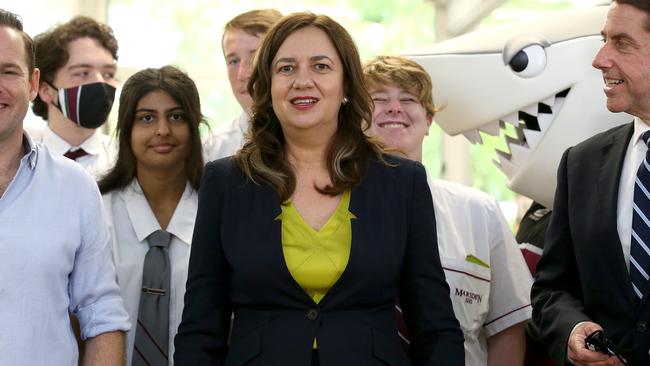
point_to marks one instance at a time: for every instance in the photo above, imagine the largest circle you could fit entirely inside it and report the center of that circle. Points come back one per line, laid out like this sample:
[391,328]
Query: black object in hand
[598,341]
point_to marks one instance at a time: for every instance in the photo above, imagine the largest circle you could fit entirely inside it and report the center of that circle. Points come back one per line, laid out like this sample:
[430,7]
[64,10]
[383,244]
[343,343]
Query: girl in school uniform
[151,201]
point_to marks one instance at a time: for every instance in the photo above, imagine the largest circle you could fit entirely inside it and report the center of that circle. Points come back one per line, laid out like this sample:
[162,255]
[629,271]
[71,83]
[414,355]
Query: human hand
[579,354]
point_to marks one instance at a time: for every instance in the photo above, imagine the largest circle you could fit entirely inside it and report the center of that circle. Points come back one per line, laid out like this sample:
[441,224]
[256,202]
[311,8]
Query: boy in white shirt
[487,276]
[77,60]
[241,37]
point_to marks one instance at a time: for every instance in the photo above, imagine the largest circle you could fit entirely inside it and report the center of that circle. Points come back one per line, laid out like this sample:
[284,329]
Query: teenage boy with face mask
[77,60]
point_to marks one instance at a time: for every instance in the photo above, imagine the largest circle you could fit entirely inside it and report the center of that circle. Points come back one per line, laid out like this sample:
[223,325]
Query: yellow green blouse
[316,259]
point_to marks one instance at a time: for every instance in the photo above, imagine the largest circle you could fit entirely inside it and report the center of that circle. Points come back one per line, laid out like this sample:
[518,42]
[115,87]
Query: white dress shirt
[131,220]
[636,150]
[488,279]
[101,149]
[55,258]
[225,141]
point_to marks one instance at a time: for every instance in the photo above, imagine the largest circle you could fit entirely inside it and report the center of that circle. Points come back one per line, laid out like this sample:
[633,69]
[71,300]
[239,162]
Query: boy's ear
[46,92]
[429,122]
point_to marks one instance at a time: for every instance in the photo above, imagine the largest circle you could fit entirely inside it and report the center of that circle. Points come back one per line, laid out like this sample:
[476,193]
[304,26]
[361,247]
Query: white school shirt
[101,149]
[225,141]
[130,220]
[634,155]
[490,297]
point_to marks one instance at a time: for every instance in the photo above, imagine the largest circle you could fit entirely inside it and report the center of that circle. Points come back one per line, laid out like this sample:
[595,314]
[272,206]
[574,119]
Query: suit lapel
[361,204]
[267,201]
[340,284]
[609,176]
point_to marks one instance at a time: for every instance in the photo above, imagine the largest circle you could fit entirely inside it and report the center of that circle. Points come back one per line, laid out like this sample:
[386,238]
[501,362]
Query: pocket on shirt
[469,287]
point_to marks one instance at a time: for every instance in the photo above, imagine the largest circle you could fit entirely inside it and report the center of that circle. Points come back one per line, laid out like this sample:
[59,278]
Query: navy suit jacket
[582,275]
[237,265]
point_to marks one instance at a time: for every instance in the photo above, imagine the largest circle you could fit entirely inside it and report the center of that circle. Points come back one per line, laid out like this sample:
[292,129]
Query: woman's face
[160,136]
[307,82]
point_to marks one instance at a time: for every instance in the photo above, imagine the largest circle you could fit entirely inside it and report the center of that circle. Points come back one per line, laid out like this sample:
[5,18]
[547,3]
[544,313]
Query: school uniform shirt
[101,149]
[131,221]
[226,140]
[488,279]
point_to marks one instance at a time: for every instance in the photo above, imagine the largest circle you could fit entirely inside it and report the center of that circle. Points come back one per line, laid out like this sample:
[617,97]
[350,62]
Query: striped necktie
[402,331]
[639,249]
[76,154]
[152,332]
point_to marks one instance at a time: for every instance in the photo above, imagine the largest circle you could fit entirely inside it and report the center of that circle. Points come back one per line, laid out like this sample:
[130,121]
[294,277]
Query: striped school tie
[74,155]
[152,331]
[639,249]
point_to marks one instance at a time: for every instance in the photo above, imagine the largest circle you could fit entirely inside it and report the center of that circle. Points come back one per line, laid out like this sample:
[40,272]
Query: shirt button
[642,326]
[312,314]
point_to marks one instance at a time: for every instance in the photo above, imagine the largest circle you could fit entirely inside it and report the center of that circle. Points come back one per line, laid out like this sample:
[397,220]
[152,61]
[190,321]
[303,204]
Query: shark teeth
[504,163]
[491,128]
[530,123]
[473,136]
[532,137]
[544,120]
[512,118]
[549,101]
[531,109]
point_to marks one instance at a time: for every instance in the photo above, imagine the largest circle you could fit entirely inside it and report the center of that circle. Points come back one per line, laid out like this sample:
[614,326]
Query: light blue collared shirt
[54,259]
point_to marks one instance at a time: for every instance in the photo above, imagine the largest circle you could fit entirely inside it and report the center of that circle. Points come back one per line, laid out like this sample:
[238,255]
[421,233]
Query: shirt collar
[31,152]
[639,128]
[93,145]
[182,222]
[242,121]
[144,221]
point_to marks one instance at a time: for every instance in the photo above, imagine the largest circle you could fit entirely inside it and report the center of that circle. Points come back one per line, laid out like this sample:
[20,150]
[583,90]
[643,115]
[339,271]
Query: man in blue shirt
[54,247]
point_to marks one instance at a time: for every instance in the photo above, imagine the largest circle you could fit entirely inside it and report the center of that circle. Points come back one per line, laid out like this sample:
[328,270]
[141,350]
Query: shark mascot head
[536,76]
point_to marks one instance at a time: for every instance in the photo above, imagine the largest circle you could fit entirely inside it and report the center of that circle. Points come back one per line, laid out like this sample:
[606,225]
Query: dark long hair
[183,90]
[262,158]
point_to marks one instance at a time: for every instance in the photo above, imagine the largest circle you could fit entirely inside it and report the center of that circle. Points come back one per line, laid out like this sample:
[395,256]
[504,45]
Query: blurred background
[153,33]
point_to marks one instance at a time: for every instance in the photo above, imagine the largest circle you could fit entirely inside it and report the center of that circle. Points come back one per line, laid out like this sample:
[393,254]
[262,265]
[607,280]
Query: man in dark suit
[592,274]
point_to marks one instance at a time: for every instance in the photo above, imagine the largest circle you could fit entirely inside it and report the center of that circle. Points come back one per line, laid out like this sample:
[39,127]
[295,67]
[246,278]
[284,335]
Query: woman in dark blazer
[310,234]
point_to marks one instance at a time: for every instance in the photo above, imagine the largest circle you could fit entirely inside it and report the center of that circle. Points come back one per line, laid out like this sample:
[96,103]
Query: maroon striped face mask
[87,105]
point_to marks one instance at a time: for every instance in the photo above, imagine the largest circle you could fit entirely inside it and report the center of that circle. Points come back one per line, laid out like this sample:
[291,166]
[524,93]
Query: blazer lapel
[361,204]
[340,284]
[267,201]
[609,176]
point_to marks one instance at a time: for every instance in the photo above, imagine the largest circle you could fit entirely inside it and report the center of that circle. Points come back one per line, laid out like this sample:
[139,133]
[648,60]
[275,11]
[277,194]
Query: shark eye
[529,62]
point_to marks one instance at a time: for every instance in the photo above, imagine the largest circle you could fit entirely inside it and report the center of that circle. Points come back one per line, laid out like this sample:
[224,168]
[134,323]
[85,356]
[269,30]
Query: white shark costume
[536,76]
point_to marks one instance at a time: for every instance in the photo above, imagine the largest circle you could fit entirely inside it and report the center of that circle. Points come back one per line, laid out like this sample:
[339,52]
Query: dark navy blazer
[237,265]
[582,274]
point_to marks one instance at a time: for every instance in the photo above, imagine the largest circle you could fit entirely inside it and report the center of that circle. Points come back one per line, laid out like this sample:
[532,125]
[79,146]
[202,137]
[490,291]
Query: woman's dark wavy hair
[183,90]
[263,160]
